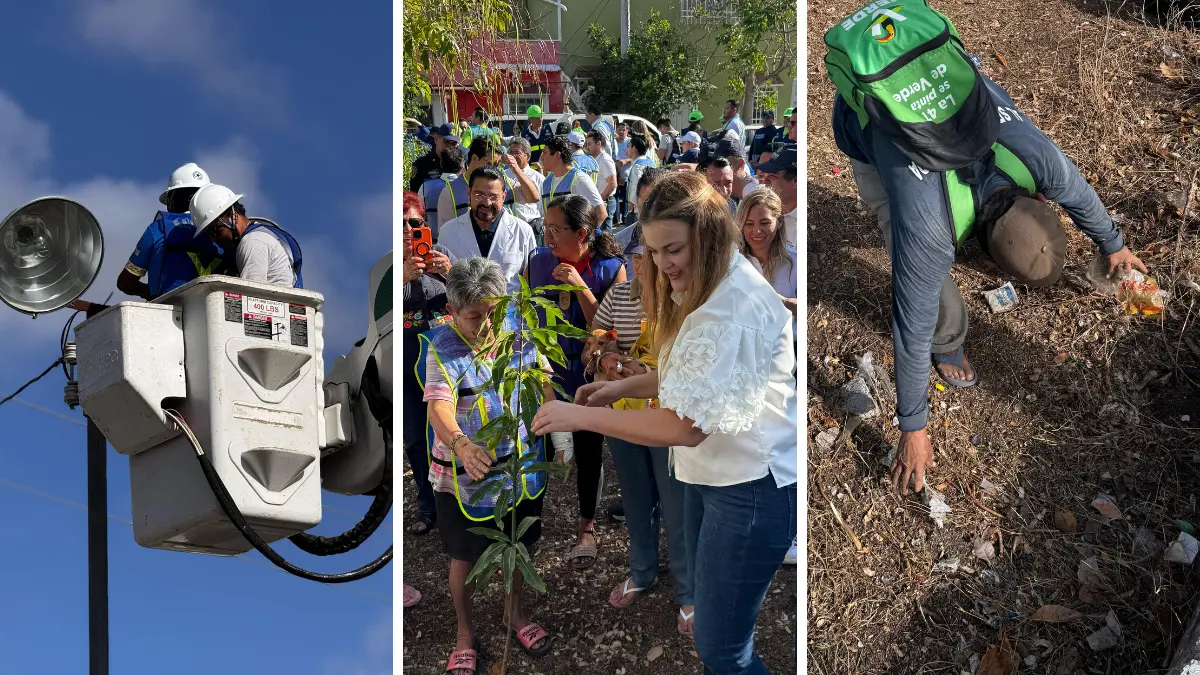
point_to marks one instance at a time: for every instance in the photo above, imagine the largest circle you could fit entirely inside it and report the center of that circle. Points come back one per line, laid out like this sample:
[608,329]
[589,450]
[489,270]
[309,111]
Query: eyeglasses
[414,222]
[224,222]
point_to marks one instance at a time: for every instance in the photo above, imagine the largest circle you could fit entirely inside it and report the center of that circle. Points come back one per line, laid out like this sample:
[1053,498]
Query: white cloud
[125,206]
[373,657]
[187,36]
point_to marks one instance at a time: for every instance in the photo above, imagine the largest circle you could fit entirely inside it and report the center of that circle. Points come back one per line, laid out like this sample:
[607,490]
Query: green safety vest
[962,203]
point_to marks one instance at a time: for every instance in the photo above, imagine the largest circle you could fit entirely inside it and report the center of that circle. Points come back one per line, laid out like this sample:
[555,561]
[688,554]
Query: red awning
[529,59]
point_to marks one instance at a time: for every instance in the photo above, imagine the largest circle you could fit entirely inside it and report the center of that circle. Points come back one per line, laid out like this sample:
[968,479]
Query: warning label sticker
[233,307]
[298,325]
[266,319]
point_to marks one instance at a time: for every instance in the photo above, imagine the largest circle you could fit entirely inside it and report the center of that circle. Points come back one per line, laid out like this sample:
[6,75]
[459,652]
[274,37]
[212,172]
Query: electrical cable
[382,504]
[239,521]
[30,383]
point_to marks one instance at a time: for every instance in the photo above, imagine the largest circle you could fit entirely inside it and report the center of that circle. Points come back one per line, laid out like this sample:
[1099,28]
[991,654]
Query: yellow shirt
[640,351]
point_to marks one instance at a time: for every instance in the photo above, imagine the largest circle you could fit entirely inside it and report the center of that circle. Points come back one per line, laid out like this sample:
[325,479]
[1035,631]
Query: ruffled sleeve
[717,375]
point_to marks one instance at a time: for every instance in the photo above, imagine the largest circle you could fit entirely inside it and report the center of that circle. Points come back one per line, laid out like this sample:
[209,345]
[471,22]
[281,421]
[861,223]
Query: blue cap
[784,160]
[635,245]
[446,131]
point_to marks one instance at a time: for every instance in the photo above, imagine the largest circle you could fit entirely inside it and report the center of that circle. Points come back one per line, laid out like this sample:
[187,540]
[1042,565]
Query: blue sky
[101,101]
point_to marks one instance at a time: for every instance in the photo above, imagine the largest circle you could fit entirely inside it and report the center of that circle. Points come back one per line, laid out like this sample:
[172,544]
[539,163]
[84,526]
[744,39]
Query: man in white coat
[488,229]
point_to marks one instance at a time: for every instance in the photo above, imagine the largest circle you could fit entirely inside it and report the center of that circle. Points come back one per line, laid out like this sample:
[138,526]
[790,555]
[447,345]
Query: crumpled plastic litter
[938,508]
[1183,549]
[1139,294]
[1001,299]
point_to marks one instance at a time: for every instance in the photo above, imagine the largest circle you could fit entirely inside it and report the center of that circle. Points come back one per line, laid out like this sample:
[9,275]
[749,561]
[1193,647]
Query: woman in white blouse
[728,410]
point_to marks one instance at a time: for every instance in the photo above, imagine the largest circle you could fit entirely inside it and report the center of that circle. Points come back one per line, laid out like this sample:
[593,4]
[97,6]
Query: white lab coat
[512,246]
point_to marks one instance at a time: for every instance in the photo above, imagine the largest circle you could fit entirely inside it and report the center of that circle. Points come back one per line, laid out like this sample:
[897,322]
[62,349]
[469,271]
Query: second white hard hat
[187,176]
[209,202]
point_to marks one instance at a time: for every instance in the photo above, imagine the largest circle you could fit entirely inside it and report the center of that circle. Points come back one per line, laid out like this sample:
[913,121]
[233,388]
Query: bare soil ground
[590,636]
[1074,398]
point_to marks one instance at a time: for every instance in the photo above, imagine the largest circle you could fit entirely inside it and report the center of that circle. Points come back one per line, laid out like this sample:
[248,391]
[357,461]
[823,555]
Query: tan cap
[1029,243]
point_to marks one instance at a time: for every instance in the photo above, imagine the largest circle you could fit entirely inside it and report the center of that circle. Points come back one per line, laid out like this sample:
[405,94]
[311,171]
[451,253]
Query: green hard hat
[534,111]
[787,112]
[696,116]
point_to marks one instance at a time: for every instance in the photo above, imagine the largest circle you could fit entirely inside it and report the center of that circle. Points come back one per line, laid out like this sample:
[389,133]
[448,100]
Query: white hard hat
[576,137]
[187,176]
[209,202]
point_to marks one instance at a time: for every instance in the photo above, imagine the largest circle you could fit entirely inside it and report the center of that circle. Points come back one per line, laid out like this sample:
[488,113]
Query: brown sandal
[583,556]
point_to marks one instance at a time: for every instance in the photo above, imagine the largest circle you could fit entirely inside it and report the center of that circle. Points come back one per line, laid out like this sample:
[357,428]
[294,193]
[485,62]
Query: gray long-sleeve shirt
[923,231]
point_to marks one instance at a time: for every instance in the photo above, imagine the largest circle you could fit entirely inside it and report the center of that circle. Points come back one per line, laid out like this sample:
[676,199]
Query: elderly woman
[457,390]
[727,410]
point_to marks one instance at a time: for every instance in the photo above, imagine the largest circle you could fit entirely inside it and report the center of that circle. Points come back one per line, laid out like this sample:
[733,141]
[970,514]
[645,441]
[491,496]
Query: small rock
[655,652]
[826,438]
[1185,418]
[1066,522]
[855,398]
[1108,636]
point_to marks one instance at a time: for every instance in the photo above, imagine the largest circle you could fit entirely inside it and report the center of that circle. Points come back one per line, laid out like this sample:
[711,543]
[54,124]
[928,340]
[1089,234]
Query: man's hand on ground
[913,456]
[1123,261]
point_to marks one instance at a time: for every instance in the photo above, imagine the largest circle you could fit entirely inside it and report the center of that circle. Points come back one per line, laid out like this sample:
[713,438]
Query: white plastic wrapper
[564,446]
[1001,299]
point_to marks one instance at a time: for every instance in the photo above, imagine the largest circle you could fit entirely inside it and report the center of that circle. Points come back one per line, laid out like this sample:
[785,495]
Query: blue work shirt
[923,242]
[169,255]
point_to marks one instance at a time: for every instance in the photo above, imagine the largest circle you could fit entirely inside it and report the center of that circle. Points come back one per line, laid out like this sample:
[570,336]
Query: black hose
[235,516]
[382,504]
[239,521]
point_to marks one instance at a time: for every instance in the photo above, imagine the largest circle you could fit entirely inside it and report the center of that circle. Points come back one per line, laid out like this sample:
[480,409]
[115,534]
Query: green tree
[661,72]
[758,47]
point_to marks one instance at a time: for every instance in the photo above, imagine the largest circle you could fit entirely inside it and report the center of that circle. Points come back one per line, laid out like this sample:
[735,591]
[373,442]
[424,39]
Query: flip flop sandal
[956,360]
[686,617]
[470,660]
[586,553]
[529,636]
[625,590]
[421,526]
[411,596]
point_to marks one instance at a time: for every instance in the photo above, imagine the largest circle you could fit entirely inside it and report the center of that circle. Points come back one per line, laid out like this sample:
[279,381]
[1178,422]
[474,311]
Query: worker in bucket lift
[262,252]
[168,255]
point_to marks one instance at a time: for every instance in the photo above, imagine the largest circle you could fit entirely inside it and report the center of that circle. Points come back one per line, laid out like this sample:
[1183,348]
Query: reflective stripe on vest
[450,351]
[550,188]
[962,202]
[289,242]
[458,194]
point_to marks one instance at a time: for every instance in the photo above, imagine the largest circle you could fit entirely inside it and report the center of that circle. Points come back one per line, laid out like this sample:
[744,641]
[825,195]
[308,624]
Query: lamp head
[50,253]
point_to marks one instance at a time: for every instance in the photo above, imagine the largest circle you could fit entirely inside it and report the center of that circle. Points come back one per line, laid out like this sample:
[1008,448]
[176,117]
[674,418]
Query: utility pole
[624,27]
[97,550]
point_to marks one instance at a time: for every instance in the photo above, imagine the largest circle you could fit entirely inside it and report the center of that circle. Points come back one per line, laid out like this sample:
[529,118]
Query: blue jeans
[737,538]
[649,492]
[611,206]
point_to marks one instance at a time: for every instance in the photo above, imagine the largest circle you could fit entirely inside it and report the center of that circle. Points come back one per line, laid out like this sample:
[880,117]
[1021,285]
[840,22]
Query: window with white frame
[692,11]
[761,97]
[517,104]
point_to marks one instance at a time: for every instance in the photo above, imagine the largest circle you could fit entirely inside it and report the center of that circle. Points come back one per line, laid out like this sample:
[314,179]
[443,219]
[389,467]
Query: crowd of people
[684,247]
[202,229]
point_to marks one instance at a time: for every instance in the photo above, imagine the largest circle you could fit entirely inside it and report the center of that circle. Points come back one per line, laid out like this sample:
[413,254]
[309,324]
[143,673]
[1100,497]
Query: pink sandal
[464,659]
[411,596]
[530,635]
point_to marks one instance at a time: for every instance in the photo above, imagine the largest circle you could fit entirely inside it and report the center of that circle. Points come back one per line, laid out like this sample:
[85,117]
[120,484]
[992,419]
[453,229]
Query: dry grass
[1048,436]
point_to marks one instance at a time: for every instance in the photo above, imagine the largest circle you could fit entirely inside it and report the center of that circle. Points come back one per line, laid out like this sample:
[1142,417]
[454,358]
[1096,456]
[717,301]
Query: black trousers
[589,462]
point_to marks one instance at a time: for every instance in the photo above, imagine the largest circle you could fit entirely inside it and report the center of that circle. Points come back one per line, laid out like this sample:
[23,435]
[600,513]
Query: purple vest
[598,278]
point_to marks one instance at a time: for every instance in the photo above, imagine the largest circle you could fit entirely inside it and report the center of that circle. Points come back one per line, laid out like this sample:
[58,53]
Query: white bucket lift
[242,362]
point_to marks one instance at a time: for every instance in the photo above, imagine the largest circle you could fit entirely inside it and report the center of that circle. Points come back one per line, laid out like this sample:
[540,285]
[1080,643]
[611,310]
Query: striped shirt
[621,311]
